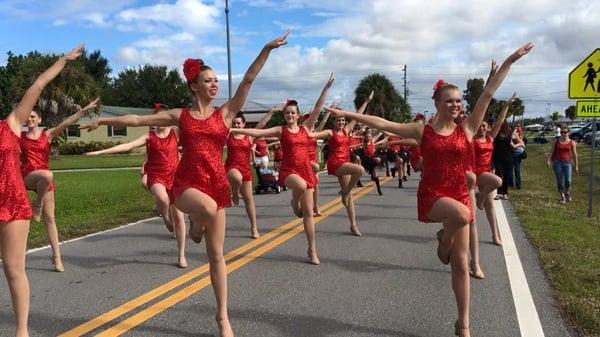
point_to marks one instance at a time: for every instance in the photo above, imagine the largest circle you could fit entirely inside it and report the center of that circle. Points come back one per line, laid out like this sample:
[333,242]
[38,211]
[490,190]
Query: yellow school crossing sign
[584,80]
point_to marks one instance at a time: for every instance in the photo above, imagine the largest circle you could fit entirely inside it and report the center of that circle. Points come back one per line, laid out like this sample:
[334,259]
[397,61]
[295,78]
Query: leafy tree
[571,112]
[61,97]
[150,84]
[555,116]
[472,92]
[387,102]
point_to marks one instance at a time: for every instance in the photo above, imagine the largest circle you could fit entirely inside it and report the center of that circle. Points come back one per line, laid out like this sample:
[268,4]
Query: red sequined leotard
[370,150]
[295,156]
[238,156]
[35,154]
[162,160]
[339,151]
[444,166]
[312,149]
[14,203]
[483,155]
[201,166]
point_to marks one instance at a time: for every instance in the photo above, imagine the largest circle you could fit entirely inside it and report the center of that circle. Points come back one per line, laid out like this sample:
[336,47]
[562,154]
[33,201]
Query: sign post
[584,83]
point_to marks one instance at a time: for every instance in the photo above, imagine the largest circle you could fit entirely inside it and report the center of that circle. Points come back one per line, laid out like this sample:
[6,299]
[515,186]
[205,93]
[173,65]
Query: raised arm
[323,121]
[57,130]
[267,117]
[141,141]
[257,133]
[309,123]
[320,134]
[475,118]
[163,118]
[502,117]
[406,130]
[21,112]
[361,111]
[233,106]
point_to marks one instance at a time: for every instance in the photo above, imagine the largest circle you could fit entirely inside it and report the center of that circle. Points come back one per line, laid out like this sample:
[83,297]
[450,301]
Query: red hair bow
[437,86]
[191,68]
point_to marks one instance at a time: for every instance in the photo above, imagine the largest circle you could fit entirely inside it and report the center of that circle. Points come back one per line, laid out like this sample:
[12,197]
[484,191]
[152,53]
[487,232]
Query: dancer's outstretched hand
[336,112]
[330,80]
[280,41]
[90,127]
[75,53]
[92,105]
[512,98]
[371,95]
[524,50]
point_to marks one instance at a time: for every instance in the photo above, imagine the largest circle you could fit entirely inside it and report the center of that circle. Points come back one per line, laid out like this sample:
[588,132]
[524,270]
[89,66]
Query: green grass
[567,240]
[89,202]
[85,162]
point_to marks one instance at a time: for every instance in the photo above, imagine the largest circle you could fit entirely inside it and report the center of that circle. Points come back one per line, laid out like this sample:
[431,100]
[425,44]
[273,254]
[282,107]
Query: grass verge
[567,240]
[85,162]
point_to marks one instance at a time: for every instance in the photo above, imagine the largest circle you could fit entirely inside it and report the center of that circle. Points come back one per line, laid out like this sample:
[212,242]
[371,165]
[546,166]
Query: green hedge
[68,148]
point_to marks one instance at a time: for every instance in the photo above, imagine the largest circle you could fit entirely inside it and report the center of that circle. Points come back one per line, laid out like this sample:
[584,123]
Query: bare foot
[314,259]
[224,328]
[497,241]
[354,230]
[461,332]
[254,233]
[182,262]
[57,262]
[196,234]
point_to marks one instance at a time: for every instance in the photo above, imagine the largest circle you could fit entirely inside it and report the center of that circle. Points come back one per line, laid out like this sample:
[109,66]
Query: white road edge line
[94,234]
[529,320]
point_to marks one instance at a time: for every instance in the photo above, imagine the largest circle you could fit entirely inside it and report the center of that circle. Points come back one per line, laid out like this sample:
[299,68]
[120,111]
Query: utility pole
[404,85]
[228,48]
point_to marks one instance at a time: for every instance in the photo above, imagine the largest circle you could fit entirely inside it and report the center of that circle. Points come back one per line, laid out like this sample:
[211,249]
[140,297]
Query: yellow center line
[188,291]
[154,293]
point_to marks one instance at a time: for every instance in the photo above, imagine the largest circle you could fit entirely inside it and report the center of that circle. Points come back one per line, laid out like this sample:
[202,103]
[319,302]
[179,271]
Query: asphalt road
[387,283]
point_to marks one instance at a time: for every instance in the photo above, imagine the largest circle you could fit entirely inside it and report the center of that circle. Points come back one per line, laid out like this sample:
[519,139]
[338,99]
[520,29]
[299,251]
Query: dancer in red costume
[237,166]
[483,143]
[443,194]
[162,158]
[35,155]
[15,209]
[314,161]
[201,188]
[338,162]
[368,158]
[296,172]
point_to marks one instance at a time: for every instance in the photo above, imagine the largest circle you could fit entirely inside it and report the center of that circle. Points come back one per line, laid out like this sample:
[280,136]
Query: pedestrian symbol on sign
[590,75]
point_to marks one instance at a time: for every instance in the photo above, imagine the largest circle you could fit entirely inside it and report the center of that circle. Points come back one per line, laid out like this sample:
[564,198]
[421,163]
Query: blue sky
[435,39]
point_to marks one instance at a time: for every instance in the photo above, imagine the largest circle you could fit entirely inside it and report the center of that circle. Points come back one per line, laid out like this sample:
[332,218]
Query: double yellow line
[281,234]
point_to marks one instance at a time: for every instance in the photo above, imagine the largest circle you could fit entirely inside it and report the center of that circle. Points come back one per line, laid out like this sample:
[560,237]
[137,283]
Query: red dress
[163,158]
[483,155]
[312,149]
[339,151]
[278,153]
[370,150]
[444,166]
[238,156]
[295,157]
[261,147]
[415,155]
[14,203]
[396,148]
[470,157]
[35,154]
[201,166]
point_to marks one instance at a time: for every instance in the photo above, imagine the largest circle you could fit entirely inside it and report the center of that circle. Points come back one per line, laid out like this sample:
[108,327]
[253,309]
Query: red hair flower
[191,68]
[159,106]
[437,86]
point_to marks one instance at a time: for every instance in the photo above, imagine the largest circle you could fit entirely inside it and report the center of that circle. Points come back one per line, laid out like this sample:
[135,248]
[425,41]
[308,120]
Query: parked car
[578,135]
[534,127]
[587,138]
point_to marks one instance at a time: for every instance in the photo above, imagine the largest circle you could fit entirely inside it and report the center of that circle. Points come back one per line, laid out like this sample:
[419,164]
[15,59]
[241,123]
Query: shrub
[68,148]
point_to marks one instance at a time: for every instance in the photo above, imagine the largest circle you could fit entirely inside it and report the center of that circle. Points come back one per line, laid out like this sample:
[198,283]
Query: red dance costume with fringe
[295,157]
[35,154]
[339,151]
[483,155]
[445,161]
[163,159]
[14,203]
[238,156]
[201,166]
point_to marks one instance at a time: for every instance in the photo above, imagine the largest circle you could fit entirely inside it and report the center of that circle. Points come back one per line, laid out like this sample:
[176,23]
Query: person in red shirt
[563,159]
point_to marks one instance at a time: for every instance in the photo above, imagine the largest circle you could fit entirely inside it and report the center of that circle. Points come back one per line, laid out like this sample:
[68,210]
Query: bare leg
[315,167]
[345,182]
[144,181]
[298,186]
[246,191]
[38,181]
[235,181]
[354,170]
[455,242]
[179,227]
[304,196]
[48,214]
[476,271]
[486,183]
[161,199]
[203,211]
[13,242]
[490,213]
